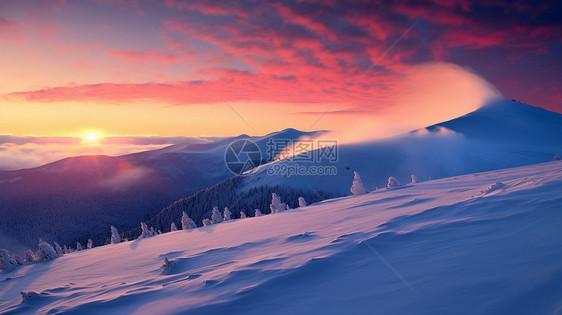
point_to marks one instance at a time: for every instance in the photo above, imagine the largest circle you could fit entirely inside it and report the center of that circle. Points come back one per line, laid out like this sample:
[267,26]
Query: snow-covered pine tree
[227,216]
[65,249]
[302,202]
[392,182]
[58,249]
[414,179]
[115,239]
[243,215]
[18,259]
[186,222]
[258,213]
[90,244]
[45,252]
[29,256]
[145,232]
[216,217]
[207,222]
[7,261]
[173,227]
[357,186]
[78,246]
[276,204]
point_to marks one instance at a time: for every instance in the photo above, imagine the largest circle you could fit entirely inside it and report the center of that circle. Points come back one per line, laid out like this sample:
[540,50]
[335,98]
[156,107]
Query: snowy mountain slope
[483,243]
[77,198]
[508,121]
[501,134]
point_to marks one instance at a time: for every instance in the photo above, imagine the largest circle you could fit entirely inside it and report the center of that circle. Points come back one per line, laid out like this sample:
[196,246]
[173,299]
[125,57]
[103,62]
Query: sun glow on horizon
[91,137]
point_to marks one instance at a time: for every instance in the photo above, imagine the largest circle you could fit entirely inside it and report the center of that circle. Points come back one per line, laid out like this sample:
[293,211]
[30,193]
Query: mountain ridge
[143,184]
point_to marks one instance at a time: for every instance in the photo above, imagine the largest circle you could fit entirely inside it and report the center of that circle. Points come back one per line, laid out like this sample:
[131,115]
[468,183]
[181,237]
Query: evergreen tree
[7,261]
[276,204]
[28,256]
[145,232]
[357,186]
[393,182]
[227,214]
[115,239]
[45,252]
[18,259]
[216,217]
[58,249]
[302,202]
[187,222]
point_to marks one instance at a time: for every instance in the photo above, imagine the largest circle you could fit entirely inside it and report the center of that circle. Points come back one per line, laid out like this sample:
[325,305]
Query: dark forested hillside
[227,193]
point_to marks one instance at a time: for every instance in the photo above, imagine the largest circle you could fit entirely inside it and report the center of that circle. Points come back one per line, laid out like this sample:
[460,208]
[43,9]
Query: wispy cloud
[18,152]
[145,56]
[21,140]
[10,30]
[104,140]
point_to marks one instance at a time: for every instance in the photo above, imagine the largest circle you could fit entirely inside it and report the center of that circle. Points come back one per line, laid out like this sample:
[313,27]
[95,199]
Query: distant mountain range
[78,198]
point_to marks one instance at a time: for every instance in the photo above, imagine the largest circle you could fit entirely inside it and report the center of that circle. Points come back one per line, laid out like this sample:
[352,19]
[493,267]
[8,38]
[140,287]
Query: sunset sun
[91,137]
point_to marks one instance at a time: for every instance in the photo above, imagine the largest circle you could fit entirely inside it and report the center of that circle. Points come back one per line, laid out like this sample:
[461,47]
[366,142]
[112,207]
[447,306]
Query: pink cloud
[311,51]
[125,5]
[145,56]
[236,87]
[66,49]
[10,31]
[344,112]
[104,27]
[224,8]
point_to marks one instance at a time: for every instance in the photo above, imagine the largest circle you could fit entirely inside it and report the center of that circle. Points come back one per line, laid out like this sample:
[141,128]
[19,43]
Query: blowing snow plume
[424,95]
